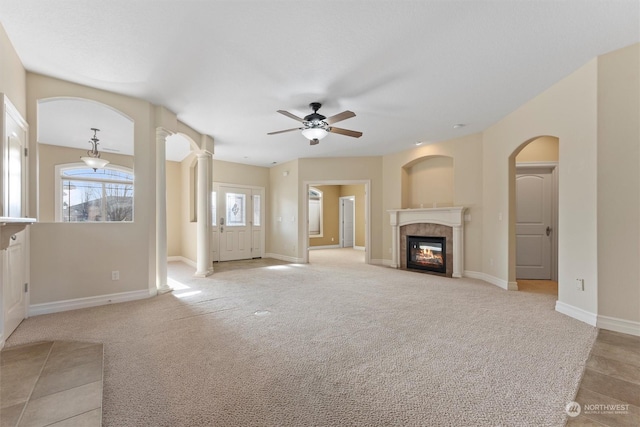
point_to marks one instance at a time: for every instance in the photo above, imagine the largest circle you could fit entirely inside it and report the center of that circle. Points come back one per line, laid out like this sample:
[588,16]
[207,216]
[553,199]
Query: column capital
[162,134]
[205,154]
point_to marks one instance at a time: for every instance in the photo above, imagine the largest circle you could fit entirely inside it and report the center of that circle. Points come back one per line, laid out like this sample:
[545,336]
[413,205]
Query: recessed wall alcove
[427,182]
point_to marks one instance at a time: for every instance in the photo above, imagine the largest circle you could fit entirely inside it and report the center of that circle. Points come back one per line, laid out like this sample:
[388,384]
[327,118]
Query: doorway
[533,222]
[338,197]
[237,214]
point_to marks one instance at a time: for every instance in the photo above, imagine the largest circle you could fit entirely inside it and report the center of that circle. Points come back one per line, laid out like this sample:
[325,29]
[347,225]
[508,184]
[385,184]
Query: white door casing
[535,223]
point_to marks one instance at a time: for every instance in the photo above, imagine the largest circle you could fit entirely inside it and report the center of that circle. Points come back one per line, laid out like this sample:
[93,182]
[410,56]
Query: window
[256,210]
[315,212]
[214,208]
[105,195]
[236,213]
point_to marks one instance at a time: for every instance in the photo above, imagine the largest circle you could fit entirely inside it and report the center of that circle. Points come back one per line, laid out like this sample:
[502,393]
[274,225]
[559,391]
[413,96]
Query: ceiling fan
[316,126]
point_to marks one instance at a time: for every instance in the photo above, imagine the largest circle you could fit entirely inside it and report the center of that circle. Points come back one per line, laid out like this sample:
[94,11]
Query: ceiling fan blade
[346,132]
[340,117]
[293,116]
[283,131]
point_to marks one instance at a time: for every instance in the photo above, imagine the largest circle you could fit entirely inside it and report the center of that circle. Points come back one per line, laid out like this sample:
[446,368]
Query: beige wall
[568,111]
[12,75]
[71,261]
[283,237]
[619,184]
[543,149]
[174,208]
[51,155]
[467,186]
[430,183]
[188,228]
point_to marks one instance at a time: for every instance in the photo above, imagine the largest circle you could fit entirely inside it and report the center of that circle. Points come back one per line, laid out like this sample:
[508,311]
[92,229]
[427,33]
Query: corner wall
[618,201]
[567,110]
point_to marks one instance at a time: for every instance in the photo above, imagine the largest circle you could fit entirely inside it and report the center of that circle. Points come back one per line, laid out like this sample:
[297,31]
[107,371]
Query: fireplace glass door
[426,253]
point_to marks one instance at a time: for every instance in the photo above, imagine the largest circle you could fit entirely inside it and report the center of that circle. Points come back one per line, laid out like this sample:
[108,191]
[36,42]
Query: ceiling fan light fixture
[314,133]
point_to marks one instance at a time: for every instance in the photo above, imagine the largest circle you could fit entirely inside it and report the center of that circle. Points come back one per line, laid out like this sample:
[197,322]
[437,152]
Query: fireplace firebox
[427,253]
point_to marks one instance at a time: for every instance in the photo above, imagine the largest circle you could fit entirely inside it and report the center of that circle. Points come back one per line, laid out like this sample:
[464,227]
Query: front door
[234,225]
[534,224]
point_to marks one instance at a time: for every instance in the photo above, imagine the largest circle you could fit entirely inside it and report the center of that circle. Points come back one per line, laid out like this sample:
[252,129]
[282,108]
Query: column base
[203,274]
[163,289]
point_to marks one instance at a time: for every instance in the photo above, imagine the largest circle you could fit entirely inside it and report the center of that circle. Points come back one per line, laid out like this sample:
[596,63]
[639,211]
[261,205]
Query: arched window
[85,195]
[315,212]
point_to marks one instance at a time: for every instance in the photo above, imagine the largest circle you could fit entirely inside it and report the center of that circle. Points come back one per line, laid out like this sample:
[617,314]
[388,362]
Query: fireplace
[427,253]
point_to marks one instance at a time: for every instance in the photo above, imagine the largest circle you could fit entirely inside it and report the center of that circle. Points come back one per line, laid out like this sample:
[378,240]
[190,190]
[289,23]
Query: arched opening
[65,127]
[533,215]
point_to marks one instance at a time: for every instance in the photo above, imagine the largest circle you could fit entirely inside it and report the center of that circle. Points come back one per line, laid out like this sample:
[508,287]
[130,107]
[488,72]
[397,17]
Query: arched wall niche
[428,182]
[63,132]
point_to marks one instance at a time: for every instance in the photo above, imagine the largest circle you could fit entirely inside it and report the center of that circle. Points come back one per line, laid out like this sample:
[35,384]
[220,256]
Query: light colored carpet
[330,344]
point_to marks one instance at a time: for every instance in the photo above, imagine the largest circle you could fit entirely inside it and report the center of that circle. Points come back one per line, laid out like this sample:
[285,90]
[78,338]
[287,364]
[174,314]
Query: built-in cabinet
[14,239]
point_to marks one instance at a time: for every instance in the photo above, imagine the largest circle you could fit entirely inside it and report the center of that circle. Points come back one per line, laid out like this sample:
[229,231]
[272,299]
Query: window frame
[61,168]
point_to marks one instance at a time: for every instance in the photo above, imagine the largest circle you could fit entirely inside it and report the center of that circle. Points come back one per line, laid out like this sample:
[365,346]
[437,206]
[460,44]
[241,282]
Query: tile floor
[611,377]
[51,384]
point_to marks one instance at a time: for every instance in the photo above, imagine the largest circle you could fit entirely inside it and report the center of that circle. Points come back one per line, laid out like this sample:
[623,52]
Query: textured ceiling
[410,70]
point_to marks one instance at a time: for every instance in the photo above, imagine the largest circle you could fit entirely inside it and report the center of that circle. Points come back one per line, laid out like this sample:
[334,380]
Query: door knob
[548,230]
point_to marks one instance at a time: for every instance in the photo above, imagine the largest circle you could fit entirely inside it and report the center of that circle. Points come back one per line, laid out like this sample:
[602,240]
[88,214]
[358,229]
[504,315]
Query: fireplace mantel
[452,217]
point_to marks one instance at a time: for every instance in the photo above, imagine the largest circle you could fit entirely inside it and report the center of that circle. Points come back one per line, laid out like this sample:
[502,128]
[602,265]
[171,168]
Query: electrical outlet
[115,275]
[580,284]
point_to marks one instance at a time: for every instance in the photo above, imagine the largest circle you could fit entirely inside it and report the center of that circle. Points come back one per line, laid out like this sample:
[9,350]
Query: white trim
[284,258]
[577,313]
[383,262]
[473,274]
[616,324]
[182,259]
[501,283]
[74,304]
[359,248]
[313,248]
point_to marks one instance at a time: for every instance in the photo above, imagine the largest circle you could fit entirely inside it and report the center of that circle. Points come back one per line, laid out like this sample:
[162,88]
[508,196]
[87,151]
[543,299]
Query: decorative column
[161,211]
[204,266]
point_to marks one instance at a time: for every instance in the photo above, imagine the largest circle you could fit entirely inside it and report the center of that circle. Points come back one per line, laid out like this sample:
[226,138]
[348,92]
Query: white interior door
[234,225]
[14,258]
[534,224]
[348,219]
[257,223]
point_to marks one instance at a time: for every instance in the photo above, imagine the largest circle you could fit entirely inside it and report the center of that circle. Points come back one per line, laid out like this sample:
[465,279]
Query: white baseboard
[74,304]
[509,286]
[577,313]
[619,325]
[183,259]
[359,248]
[313,248]
[385,262]
[284,258]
